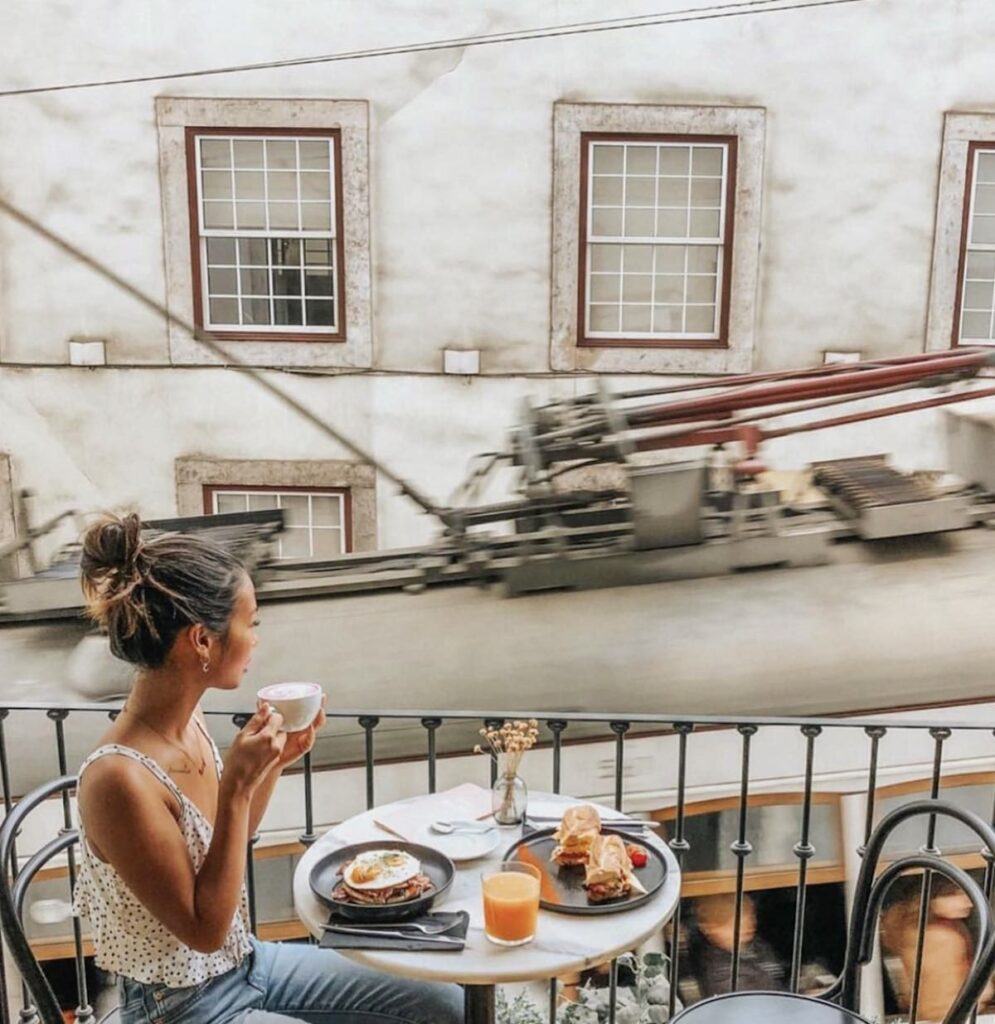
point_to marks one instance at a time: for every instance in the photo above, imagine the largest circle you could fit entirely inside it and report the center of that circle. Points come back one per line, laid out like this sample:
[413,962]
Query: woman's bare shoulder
[120,777]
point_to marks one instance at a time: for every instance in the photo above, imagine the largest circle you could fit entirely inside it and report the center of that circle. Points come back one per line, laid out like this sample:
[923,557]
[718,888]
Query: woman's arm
[264,789]
[261,798]
[296,746]
[130,825]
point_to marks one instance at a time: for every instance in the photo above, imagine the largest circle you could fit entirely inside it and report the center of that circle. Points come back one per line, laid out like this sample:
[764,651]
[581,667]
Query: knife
[609,822]
[384,934]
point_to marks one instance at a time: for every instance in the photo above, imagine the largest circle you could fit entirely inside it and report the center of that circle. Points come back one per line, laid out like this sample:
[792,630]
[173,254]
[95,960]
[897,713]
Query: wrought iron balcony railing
[796,745]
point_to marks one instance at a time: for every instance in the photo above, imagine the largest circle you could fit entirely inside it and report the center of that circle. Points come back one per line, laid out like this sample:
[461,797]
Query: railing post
[876,733]
[84,1012]
[28,1013]
[250,880]
[620,729]
[5,780]
[240,721]
[742,848]
[804,851]
[612,991]
[940,735]
[308,836]
[556,726]
[680,846]
[368,724]
[989,881]
[430,725]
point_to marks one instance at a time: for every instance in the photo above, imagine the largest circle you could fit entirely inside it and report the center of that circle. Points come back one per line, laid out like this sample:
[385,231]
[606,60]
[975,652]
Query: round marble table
[564,944]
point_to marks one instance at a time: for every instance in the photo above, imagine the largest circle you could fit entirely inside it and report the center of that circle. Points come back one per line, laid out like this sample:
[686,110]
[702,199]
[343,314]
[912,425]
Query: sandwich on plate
[609,873]
[575,836]
[377,877]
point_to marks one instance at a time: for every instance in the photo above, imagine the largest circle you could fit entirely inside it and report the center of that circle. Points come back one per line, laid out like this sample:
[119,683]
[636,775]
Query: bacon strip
[409,890]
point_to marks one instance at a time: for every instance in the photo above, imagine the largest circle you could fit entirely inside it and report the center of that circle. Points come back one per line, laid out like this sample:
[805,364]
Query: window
[963,269]
[655,237]
[353,484]
[316,523]
[656,241]
[976,320]
[267,255]
[266,230]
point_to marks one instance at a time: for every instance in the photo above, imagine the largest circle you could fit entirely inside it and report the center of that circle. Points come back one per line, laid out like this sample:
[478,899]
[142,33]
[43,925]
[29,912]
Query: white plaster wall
[460,156]
[460,165]
[92,439]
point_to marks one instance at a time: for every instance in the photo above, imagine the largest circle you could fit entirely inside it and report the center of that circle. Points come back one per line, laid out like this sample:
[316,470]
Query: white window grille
[315,522]
[656,239]
[267,224]
[977,318]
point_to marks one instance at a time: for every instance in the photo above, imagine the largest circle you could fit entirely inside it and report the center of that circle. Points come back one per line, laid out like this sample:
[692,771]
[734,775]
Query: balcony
[767,817]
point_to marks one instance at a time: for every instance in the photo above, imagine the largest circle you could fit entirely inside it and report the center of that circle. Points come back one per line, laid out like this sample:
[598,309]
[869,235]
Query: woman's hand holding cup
[300,742]
[302,706]
[257,749]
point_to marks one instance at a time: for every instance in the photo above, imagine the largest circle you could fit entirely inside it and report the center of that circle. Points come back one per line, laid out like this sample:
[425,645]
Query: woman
[164,823]
[947,949]
[760,968]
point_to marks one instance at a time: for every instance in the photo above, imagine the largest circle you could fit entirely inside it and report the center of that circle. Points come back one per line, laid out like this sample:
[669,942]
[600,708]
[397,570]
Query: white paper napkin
[411,818]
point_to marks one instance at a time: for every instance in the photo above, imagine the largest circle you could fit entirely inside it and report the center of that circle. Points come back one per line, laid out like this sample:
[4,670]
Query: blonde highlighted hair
[142,589]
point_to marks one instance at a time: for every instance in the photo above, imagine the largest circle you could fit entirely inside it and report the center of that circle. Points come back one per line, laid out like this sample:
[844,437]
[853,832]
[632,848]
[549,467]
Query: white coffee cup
[298,703]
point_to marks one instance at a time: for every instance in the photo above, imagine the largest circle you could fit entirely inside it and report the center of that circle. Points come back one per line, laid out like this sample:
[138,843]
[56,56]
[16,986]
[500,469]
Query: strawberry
[637,855]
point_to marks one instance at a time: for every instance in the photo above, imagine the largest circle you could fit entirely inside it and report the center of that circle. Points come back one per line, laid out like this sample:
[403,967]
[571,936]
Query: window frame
[724,286]
[209,491]
[974,147]
[197,266]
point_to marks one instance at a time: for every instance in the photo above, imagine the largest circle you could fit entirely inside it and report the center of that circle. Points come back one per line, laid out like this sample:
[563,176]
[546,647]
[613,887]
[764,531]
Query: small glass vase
[510,795]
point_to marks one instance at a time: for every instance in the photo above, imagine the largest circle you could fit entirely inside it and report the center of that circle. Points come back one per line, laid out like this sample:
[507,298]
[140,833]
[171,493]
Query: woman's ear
[201,641]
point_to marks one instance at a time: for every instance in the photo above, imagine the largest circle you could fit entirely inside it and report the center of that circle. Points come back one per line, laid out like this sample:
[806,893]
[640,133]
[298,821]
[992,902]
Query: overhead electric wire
[231,361]
[737,9]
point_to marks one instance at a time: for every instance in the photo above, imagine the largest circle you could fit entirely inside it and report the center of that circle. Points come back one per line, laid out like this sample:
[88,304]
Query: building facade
[412,244]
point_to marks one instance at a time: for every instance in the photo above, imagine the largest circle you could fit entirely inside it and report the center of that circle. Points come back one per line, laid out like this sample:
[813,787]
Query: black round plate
[327,874]
[562,888]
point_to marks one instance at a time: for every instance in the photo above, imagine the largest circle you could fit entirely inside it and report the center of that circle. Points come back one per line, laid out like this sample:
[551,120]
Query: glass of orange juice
[511,903]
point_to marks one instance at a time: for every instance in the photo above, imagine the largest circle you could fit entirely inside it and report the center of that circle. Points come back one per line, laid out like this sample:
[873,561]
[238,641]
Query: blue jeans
[280,982]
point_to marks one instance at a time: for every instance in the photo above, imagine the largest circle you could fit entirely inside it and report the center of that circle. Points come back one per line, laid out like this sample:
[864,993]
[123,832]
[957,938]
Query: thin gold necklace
[183,750]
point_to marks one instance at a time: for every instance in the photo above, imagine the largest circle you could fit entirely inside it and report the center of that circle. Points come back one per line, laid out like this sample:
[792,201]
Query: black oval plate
[562,888]
[327,874]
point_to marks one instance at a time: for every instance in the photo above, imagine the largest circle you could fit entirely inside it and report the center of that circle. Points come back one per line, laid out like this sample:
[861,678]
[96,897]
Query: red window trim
[194,216]
[209,490]
[965,229]
[674,342]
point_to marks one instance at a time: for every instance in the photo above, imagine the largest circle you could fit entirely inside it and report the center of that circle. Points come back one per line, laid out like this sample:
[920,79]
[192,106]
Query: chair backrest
[871,890]
[12,893]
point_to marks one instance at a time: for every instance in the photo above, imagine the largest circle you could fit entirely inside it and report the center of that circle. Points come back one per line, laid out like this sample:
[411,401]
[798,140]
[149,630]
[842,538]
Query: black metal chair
[839,1004]
[12,893]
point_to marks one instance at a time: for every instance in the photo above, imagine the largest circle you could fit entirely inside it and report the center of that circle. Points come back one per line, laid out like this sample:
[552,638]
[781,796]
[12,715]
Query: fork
[383,933]
[431,928]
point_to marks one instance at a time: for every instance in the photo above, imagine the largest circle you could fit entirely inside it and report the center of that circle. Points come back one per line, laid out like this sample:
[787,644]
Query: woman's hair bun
[111,544]
[110,574]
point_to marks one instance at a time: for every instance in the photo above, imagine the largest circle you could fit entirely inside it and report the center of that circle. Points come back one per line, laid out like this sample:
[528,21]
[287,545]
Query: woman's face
[953,905]
[236,650]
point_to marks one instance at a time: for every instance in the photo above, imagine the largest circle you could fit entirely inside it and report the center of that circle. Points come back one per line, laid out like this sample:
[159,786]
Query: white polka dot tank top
[127,937]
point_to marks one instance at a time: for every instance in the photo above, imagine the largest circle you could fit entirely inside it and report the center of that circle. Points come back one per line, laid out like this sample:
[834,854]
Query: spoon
[471,827]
